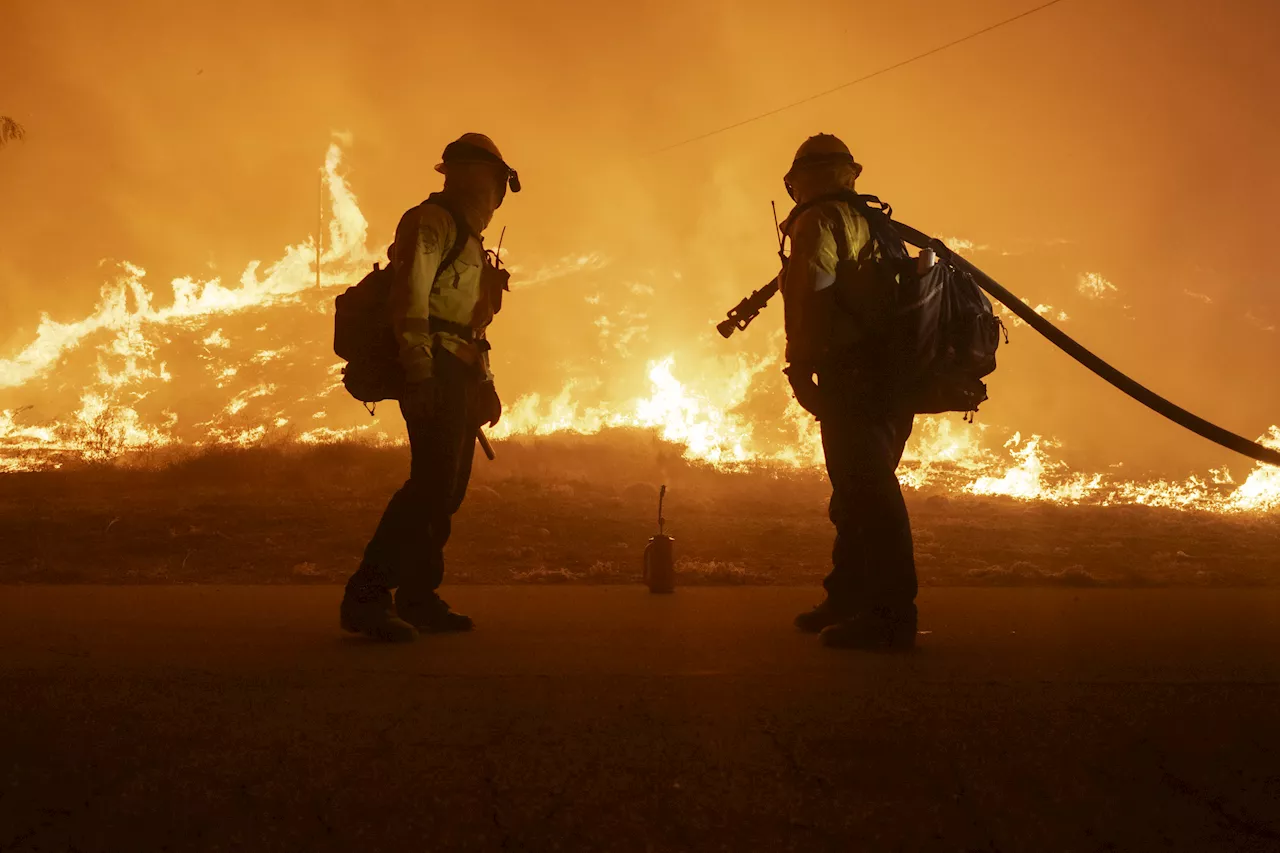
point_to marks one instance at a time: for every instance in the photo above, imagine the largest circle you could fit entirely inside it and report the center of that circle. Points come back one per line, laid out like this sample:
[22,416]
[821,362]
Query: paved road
[593,718]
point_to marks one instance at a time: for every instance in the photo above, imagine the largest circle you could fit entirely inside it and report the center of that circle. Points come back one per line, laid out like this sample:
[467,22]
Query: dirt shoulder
[550,512]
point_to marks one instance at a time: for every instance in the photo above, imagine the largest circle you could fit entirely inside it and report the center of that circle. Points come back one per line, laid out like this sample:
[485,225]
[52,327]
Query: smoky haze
[1133,143]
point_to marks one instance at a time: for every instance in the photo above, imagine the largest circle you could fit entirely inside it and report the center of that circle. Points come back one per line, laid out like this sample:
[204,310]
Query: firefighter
[444,295]
[837,364]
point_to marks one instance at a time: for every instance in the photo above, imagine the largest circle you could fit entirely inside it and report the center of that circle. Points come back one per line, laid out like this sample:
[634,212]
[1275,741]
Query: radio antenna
[782,251]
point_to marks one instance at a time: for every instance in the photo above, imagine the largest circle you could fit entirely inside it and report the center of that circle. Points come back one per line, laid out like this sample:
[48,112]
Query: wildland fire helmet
[477,148]
[821,150]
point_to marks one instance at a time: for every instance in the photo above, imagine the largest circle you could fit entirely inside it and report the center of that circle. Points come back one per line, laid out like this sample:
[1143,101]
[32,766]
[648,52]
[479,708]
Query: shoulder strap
[860,203]
[868,207]
[841,235]
[462,233]
[879,217]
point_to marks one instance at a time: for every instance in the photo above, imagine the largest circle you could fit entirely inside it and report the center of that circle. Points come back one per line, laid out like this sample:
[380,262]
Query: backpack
[948,335]
[363,334]
[940,331]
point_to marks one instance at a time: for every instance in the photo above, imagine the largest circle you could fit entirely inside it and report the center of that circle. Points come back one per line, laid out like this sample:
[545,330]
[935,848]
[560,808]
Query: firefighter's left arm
[811,269]
[422,240]
[489,404]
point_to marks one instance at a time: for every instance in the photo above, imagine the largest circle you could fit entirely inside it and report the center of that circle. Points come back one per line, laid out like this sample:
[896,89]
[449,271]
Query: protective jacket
[450,310]
[819,326]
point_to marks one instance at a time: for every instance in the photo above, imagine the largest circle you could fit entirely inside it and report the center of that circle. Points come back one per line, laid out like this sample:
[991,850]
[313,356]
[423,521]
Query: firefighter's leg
[898,582]
[843,438]
[447,466]
[389,556]
[392,556]
[867,499]
[874,553]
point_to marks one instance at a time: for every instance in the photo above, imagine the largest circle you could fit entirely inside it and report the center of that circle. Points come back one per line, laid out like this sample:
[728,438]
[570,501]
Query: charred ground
[572,509]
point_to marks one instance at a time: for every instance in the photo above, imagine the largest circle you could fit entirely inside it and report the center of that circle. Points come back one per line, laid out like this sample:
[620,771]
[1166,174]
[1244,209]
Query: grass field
[571,509]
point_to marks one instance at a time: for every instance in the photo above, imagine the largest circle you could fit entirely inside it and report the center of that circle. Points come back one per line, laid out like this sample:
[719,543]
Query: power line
[862,79]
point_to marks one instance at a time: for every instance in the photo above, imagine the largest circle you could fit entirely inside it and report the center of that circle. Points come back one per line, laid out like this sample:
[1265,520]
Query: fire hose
[748,308]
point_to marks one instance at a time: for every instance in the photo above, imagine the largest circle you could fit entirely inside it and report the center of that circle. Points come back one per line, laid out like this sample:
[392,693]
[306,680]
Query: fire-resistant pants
[863,436]
[407,549]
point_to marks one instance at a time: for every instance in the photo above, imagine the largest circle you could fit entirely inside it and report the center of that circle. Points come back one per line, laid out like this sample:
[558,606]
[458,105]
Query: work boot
[432,615]
[822,616]
[879,629]
[373,617]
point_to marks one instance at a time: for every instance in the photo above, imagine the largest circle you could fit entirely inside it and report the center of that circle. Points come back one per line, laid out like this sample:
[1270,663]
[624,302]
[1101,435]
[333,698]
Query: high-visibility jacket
[822,236]
[430,306]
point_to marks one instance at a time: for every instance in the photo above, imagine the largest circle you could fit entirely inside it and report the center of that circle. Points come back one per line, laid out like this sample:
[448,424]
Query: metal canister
[659,556]
[925,260]
[659,564]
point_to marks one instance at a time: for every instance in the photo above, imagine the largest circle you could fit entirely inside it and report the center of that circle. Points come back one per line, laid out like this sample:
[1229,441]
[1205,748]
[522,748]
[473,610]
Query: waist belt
[461,330]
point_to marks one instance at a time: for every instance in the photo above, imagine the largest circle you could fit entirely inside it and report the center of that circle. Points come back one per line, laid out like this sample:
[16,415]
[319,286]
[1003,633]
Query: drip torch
[659,556]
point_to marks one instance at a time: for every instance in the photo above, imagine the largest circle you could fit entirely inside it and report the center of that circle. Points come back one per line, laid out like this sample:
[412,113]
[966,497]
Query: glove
[418,400]
[488,405]
[806,390]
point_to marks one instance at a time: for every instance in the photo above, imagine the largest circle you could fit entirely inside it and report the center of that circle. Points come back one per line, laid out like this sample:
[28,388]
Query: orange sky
[1135,142]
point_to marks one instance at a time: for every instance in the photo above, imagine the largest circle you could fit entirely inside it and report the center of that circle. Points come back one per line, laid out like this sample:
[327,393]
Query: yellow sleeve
[812,267]
[423,239]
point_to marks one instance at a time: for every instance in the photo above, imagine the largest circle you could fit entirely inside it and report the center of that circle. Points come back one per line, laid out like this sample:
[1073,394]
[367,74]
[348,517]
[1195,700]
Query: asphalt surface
[604,718]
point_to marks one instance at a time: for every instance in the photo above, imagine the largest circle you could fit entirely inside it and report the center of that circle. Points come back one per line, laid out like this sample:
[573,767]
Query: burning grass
[146,379]
[571,509]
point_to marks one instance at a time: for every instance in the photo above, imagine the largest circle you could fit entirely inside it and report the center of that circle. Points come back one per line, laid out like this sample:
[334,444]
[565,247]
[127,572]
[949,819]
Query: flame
[1032,477]
[1093,286]
[1261,491]
[249,345]
[706,427]
[284,280]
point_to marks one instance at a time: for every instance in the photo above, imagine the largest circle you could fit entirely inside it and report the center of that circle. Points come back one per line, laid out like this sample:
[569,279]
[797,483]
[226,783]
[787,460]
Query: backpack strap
[855,200]
[462,233]
[841,235]
[876,212]
[879,217]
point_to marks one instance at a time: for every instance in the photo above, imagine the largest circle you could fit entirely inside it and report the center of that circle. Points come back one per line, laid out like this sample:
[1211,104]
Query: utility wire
[861,79]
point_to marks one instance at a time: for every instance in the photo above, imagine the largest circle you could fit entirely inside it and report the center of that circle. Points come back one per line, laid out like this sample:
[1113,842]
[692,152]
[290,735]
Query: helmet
[477,148]
[821,150]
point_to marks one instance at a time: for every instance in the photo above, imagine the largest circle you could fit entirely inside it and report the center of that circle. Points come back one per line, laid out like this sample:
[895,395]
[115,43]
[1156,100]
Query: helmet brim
[512,176]
[501,164]
[440,167]
[814,161]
